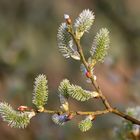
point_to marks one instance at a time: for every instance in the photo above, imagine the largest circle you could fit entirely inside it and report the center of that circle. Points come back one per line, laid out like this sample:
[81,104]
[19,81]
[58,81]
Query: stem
[94,113]
[94,83]
[97,88]
[103,98]
[125,116]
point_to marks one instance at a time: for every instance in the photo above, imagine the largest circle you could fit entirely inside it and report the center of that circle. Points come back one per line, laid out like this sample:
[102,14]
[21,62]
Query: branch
[96,86]
[125,116]
[94,83]
[94,113]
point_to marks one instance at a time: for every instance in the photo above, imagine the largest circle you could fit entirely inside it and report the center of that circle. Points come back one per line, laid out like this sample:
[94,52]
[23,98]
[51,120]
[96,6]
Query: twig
[94,113]
[125,116]
[97,88]
[94,83]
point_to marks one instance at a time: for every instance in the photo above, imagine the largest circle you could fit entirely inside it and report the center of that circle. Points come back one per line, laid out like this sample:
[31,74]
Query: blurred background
[28,47]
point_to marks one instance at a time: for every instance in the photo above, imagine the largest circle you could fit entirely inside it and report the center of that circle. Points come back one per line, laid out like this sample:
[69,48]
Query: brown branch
[125,116]
[94,83]
[94,113]
[97,88]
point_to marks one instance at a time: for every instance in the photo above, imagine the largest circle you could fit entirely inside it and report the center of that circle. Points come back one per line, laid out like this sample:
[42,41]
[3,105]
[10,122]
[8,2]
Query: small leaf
[40,95]
[83,22]
[79,94]
[68,19]
[100,45]
[13,118]
[85,124]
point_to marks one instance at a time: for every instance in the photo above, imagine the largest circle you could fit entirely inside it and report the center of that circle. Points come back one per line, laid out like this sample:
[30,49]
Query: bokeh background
[28,47]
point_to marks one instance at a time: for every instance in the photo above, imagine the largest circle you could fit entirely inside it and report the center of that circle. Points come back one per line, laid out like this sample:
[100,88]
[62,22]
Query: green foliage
[65,43]
[13,118]
[76,92]
[83,23]
[67,90]
[80,94]
[63,88]
[100,45]
[40,95]
[85,124]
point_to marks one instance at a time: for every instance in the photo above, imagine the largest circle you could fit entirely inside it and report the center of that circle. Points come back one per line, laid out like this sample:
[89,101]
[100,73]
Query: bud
[64,103]
[94,77]
[60,119]
[136,130]
[23,108]
[68,19]
[88,74]
[70,116]
[40,109]
[87,123]
[91,117]
[31,114]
